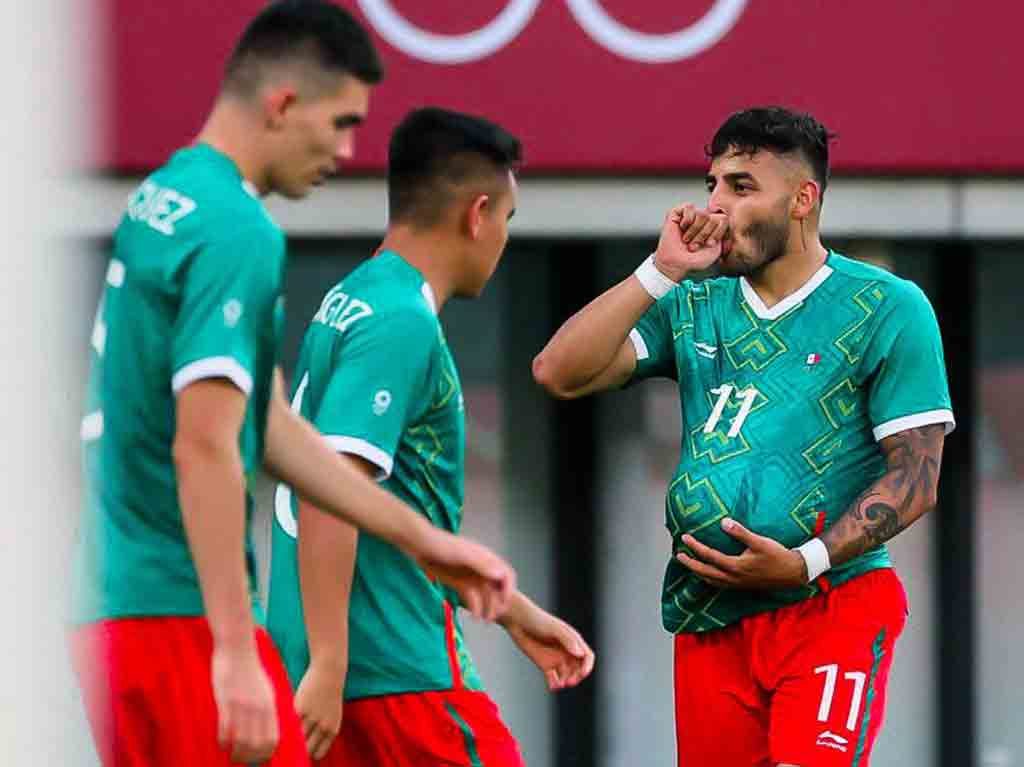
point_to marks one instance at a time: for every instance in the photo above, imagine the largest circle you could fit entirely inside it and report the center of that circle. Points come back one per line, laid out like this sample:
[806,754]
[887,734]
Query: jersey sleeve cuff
[915,421]
[639,345]
[355,446]
[213,367]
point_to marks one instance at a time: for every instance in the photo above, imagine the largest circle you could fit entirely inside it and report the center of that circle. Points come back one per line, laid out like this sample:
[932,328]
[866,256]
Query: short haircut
[434,153]
[316,33]
[778,130]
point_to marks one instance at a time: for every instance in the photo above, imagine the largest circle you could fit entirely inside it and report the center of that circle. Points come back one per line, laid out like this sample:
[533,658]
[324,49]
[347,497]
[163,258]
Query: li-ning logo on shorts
[831,740]
[232,312]
[381,402]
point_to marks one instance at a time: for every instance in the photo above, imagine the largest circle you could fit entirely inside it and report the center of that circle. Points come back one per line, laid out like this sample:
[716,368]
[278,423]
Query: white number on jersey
[92,424]
[724,393]
[283,511]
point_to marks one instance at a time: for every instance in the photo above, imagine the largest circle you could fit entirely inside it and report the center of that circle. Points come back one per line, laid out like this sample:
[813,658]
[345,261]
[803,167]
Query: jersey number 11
[725,392]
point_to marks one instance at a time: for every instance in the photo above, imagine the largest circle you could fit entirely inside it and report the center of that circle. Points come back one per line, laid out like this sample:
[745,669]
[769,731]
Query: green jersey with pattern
[782,409]
[376,377]
[193,291]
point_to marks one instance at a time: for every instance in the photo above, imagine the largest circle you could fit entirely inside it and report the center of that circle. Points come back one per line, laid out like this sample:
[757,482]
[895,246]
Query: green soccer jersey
[376,378]
[193,291]
[781,410]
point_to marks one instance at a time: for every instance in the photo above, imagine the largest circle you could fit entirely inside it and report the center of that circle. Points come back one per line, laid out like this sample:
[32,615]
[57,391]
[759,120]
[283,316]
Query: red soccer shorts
[147,692]
[803,685]
[458,728]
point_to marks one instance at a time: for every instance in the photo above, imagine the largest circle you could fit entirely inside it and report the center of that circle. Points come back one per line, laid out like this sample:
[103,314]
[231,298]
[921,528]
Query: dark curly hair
[778,130]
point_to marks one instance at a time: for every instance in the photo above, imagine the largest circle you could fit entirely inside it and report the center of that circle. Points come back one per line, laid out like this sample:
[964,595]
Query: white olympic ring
[449,49]
[657,49]
[595,21]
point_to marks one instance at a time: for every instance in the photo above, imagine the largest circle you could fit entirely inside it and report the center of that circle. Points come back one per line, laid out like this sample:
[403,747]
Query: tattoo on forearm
[904,493]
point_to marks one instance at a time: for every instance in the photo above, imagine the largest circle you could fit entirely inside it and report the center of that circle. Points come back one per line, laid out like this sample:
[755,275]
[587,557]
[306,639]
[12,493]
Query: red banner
[620,86]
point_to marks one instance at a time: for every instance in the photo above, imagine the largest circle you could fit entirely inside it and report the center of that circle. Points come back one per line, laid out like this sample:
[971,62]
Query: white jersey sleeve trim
[213,367]
[639,344]
[927,418]
[92,426]
[362,448]
[428,295]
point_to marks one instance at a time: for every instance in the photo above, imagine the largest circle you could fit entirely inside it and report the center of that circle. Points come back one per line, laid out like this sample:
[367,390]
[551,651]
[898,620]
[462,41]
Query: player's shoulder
[859,271]
[393,288]
[897,292]
[390,302]
[717,286]
[199,193]
[685,299]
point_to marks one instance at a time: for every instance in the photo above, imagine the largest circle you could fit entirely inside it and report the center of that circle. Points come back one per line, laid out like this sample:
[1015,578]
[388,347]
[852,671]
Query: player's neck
[429,253]
[228,130]
[788,273]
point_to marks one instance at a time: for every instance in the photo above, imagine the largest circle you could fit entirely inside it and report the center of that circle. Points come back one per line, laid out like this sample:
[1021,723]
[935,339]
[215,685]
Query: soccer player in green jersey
[184,404]
[356,620]
[814,407]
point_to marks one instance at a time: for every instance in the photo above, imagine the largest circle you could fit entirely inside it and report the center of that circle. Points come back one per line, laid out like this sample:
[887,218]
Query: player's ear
[276,104]
[478,210]
[806,201]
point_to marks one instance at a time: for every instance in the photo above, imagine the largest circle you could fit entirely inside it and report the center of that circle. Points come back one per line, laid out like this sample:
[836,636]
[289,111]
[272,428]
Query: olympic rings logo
[595,21]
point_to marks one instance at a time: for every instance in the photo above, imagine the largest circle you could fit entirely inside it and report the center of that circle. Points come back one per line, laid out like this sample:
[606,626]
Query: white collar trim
[428,294]
[787,303]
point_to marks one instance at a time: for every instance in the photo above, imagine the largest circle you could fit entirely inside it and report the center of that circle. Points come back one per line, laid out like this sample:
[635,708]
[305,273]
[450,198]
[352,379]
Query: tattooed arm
[903,494]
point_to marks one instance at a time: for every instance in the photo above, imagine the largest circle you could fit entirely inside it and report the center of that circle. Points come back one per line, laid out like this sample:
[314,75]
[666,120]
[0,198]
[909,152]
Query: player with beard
[814,406]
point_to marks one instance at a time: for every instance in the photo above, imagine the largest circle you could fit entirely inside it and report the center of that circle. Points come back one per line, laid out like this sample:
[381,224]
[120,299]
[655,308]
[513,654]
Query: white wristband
[816,558]
[654,282]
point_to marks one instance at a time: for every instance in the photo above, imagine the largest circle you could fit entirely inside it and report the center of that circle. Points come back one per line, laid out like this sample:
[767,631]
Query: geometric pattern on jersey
[782,411]
[377,379]
[193,291]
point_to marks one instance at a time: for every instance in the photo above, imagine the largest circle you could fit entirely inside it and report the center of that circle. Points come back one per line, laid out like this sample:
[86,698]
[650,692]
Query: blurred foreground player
[814,406]
[183,398]
[356,620]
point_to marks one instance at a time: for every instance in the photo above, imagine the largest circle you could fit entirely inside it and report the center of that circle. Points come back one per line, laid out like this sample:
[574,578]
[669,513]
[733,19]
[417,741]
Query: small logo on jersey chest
[232,312]
[813,359]
[381,402]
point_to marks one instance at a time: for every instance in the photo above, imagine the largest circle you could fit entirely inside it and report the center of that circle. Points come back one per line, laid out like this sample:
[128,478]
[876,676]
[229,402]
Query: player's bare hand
[484,581]
[555,647]
[765,564]
[318,702]
[691,240]
[246,712]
